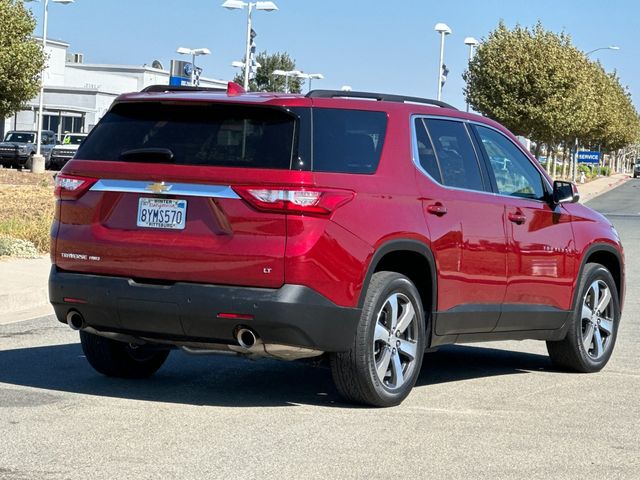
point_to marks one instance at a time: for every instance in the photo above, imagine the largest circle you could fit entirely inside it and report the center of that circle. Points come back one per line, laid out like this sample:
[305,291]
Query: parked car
[62,153]
[18,148]
[636,170]
[367,228]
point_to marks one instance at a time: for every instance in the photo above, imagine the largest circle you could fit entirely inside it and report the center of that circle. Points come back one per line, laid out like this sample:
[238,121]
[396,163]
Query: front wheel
[384,361]
[119,359]
[593,325]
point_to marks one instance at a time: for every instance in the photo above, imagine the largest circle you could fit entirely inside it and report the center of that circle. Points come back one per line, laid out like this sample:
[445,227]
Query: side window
[424,149]
[514,173]
[347,141]
[455,153]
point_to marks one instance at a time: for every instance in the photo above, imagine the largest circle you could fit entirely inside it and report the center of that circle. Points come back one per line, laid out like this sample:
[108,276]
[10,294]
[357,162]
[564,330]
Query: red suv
[363,226]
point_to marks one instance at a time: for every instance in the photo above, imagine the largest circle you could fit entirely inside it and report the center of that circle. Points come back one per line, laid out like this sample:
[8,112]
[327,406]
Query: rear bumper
[291,315]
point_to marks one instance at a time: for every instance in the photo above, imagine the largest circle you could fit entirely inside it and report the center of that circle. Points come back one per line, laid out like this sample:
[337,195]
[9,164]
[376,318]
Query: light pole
[610,47]
[194,52]
[37,162]
[239,5]
[444,30]
[310,77]
[471,43]
[286,74]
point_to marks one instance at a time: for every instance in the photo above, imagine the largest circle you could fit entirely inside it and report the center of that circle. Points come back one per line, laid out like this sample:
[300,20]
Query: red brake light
[69,187]
[234,89]
[299,201]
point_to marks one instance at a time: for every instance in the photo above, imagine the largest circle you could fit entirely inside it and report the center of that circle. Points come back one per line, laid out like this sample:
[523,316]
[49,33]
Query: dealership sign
[589,157]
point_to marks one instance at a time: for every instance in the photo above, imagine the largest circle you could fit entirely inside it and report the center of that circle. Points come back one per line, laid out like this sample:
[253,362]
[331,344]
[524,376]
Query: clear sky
[388,46]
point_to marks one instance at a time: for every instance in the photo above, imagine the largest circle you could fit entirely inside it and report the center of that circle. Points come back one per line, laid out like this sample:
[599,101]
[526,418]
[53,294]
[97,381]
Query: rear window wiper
[150,155]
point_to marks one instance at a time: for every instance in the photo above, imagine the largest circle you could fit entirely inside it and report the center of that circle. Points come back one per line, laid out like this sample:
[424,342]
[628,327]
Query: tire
[398,356]
[592,332]
[118,359]
[28,164]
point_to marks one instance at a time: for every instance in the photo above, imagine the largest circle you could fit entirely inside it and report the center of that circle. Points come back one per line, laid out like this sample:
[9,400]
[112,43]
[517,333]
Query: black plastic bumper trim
[291,315]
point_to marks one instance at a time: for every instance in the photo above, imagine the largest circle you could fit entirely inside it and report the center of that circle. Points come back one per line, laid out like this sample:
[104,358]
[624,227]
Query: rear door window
[207,135]
[347,141]
[455,153]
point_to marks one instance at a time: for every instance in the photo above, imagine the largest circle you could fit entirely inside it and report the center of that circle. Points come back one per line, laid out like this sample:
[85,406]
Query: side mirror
[565,192]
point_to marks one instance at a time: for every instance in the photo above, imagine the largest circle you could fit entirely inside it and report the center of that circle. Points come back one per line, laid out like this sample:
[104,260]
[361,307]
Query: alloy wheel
[597,320]
[395,341]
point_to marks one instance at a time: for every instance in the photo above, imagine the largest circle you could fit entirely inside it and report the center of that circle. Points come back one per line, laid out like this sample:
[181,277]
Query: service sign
[589,157]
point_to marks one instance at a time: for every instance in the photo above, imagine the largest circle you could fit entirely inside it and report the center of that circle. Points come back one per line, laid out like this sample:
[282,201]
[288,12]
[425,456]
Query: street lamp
[310,76]
[194,52]
[37,163]
[611,47]
[444,30]
[239,5]
[286,74]
[471,43]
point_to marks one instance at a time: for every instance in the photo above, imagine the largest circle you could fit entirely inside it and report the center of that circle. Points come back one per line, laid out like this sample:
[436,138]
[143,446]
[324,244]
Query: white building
[77,94]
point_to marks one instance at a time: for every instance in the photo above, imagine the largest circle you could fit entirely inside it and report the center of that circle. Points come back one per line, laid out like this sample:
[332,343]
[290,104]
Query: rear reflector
[295,200]
[236,316]
[74,300]
[69,187]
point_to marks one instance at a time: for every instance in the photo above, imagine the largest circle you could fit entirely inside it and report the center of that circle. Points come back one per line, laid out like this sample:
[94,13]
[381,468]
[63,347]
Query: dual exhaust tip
[245,337]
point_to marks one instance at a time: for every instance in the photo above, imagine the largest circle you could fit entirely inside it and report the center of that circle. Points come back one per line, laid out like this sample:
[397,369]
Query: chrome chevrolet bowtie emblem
[158,187]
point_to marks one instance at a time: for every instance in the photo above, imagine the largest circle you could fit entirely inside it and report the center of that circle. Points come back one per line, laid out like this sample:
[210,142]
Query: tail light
[298,201]
[69,187]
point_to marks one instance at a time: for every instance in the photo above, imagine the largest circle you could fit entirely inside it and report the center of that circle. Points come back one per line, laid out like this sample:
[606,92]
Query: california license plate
[162,213]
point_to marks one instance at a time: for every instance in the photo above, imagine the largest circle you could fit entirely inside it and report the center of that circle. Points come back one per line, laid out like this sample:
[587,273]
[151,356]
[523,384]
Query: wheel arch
[609,257]
[414,260]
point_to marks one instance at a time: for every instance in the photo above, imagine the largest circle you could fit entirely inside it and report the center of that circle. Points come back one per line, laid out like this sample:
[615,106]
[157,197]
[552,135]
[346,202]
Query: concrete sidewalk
[601,185]
[23,283]
[23,289]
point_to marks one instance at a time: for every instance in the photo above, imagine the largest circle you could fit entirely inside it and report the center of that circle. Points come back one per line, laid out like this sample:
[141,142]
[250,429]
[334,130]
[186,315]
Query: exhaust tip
[75,320]
[246,338]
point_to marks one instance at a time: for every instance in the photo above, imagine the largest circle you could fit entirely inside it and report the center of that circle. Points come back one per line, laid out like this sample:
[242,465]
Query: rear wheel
[119,359]
[593,326]
[384,361]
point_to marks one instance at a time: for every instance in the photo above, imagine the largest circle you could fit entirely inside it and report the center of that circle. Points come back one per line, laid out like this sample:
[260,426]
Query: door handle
[437,209]
[517,218]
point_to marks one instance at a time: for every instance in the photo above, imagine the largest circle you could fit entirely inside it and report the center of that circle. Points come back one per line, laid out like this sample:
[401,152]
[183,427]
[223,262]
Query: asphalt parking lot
[479,411]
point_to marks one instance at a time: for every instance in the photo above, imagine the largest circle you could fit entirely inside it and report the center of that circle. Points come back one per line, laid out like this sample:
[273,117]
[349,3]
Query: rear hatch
[162,191]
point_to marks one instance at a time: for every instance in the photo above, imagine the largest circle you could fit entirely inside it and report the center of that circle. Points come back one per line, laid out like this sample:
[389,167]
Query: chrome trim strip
[181,189]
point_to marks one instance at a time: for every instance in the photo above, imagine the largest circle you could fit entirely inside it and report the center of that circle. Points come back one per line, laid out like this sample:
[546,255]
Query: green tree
[265,81]
[21,57]
[530,81]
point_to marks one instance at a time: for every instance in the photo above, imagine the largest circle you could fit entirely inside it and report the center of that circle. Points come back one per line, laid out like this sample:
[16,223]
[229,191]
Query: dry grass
[26,207]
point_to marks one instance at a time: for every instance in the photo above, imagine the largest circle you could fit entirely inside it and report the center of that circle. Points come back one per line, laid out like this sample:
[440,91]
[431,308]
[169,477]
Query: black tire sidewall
[592,273]
[396,284]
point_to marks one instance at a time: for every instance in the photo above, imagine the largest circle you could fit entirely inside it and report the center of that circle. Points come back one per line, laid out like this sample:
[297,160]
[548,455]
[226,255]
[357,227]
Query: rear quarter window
[347,141]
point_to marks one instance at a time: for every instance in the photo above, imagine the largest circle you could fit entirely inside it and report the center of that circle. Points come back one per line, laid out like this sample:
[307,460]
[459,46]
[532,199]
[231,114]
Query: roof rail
[179,88]
[384,97]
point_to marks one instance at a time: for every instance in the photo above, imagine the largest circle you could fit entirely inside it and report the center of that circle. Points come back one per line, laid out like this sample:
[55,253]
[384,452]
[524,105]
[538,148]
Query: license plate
[162,213]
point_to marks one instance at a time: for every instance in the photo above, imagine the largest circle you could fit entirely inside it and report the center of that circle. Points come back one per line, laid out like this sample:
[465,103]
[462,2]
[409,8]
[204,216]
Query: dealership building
[78,94]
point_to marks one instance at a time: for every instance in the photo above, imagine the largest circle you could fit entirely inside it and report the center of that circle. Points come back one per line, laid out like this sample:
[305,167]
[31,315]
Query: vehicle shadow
[238,382]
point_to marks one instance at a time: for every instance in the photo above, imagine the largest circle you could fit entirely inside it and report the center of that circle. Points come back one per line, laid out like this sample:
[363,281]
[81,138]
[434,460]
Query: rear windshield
[208,135]
[20,137]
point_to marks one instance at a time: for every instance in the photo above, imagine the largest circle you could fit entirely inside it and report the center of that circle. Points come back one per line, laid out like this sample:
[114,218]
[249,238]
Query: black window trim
[487,187]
